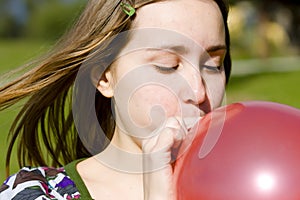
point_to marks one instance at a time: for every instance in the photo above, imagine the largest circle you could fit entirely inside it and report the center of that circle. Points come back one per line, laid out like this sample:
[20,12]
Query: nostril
[194,97]
[205,106]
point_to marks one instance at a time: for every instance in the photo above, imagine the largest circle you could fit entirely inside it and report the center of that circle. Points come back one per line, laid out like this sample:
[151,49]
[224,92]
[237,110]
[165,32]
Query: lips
[190,122]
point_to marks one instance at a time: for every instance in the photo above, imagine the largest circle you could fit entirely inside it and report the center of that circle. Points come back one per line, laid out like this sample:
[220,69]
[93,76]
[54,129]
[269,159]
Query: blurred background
[264,34]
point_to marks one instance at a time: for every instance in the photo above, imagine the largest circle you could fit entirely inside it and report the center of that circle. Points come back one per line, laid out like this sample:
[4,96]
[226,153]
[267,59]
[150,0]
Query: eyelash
[212,68]
[166,70]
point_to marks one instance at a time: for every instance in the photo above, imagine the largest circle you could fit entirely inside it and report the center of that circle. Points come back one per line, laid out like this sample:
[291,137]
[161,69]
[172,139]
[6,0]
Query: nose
[194,91]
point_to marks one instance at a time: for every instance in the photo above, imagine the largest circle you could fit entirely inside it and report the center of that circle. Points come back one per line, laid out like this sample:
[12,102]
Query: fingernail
[172,122]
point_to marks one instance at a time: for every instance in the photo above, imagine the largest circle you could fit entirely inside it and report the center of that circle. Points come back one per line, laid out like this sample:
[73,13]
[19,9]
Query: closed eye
[165,69]
[212,68]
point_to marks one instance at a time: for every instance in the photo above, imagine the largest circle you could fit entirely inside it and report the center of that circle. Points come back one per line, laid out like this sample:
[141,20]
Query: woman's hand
[159,153]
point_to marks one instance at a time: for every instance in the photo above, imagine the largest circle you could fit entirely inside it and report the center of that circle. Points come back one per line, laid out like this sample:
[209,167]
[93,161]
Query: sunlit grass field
[14,53]
[280,87]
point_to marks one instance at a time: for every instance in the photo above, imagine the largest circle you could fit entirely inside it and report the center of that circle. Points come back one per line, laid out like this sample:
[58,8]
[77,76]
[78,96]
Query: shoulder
[39,183]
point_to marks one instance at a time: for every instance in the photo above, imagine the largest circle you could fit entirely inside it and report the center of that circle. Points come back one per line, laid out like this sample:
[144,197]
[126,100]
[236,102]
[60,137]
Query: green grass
[281,87]
[13,54]
[6,117]
[277,87]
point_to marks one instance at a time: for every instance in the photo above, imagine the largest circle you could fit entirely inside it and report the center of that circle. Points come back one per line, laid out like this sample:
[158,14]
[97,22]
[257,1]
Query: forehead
[200,20]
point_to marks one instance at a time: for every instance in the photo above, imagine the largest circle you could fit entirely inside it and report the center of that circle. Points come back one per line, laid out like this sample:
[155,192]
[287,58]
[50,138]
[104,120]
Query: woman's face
[171,67]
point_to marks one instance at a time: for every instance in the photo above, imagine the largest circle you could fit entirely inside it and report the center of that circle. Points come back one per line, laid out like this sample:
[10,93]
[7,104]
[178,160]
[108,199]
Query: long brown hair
[45,124]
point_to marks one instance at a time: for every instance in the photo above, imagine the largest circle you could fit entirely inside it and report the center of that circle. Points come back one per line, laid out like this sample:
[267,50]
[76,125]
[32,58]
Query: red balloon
[248,150]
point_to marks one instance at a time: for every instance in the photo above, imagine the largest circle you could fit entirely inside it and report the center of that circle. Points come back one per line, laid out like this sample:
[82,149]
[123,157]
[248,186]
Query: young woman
[114,101]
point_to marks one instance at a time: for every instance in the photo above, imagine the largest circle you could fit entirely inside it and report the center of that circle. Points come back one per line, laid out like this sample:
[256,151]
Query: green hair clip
[128,9]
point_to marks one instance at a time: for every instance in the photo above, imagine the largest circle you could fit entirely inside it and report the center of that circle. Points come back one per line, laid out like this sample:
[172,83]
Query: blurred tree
[290,2]
[50,20]
[9,27]
[264,28]
[44,19]
[11,19]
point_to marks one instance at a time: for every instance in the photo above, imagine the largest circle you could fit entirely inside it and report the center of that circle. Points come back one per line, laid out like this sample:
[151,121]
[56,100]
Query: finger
[180,132]
[159,140]
[170,136]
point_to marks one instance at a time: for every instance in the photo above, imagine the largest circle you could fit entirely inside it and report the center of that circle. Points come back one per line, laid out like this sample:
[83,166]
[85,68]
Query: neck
[122,154]
[125,142]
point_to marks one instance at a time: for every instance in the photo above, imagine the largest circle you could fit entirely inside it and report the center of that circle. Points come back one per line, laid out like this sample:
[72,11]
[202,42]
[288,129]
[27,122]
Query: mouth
[190,122]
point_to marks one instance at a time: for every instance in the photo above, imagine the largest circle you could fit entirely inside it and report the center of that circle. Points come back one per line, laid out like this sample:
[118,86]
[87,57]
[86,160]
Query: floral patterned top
[45,183]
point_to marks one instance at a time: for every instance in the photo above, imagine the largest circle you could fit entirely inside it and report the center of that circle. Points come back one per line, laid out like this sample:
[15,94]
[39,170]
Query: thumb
[158,149]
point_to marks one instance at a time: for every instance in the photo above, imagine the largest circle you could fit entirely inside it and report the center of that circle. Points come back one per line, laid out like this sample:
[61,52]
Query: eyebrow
[180,49]
[216,48]
[183,50]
